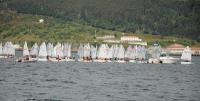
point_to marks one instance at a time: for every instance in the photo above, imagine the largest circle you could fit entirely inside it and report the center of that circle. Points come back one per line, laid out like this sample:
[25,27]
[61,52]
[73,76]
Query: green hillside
[18,27]
[179,18]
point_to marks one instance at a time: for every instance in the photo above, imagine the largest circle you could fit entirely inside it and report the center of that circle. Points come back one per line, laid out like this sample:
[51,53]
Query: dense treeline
[166,17]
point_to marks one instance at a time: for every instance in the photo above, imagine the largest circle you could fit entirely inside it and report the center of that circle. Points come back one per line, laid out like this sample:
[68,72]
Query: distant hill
[178,18]
[19,27]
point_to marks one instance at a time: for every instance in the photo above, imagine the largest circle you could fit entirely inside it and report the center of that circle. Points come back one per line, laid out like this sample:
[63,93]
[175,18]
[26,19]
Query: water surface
[76,81]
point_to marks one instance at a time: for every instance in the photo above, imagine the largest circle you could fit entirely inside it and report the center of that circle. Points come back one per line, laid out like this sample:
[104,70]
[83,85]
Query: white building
[111,41]
[130,39]
[138,43]
[106,37]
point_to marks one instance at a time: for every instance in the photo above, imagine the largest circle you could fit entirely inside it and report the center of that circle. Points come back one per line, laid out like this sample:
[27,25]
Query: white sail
[69,53]
[53,52]
[102,53]
[86,52]
[80,51]
[5,49]
[8,49]
[129,52]
[67,50]
[136,51]
[25,50]
[11,49]
[43,50]
[34,50]
[49,49]
[139,51]
[115,51]
[107,51]
[93,52]
[1,49]
[143,54]
[156,52]
[121,52]
[110,52]
[187,54]
[59,50]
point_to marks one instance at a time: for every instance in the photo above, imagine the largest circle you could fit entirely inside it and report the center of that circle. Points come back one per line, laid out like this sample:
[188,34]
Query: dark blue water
[75,81]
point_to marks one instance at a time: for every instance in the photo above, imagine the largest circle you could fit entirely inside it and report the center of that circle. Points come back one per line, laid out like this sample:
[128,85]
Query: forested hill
[167,17]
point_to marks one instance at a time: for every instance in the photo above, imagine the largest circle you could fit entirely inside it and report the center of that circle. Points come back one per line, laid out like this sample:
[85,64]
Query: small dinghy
[166,59]
[67,52]
[186,56]
[42,52]
[155,55]
[1,51]
[8,50]
[26,55]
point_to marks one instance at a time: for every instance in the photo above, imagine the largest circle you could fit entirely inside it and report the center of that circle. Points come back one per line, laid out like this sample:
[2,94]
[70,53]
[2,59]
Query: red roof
[176,46]
[196,49]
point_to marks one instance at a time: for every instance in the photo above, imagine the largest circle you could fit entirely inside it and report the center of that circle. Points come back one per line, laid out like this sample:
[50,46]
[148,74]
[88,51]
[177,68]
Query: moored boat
[166,59]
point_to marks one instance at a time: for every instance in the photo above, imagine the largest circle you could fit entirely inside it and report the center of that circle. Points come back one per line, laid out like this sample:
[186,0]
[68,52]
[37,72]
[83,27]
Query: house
[111,41]
[106,37]
[130,39]
[195,51]
[177,49]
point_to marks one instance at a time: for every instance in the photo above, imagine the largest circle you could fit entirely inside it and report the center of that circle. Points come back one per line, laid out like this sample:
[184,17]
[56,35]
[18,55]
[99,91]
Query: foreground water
[75,81]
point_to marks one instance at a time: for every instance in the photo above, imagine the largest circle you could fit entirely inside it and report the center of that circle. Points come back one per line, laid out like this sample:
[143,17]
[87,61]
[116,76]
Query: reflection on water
[75,81]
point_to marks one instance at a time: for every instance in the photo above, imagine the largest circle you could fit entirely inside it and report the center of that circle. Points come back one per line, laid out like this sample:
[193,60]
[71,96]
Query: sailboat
[49,50]
[141,54]
[115,52]
[67,52]
[8,50]
[128,53]
[59,52]
[110,53]
[58,55]
[53,55]
[155,55]
[80,52]
[42,52]
[186,56]
[133,54]
[102,53]
[26,55]
[1,51]
[34,51]
[166,59]
[93,53]
[86,53]
[121,53]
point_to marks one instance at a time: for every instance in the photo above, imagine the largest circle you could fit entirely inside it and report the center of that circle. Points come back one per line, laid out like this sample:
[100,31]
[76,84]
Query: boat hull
[154,61]
[169,60]
[42,59]
[186,63]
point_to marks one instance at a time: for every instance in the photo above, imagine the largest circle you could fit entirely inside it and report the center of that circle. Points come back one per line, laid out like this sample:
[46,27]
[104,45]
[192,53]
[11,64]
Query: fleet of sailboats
[89,53]
[114,53]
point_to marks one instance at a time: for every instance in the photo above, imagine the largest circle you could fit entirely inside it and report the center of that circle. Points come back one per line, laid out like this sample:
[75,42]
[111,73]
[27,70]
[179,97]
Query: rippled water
[75,81]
